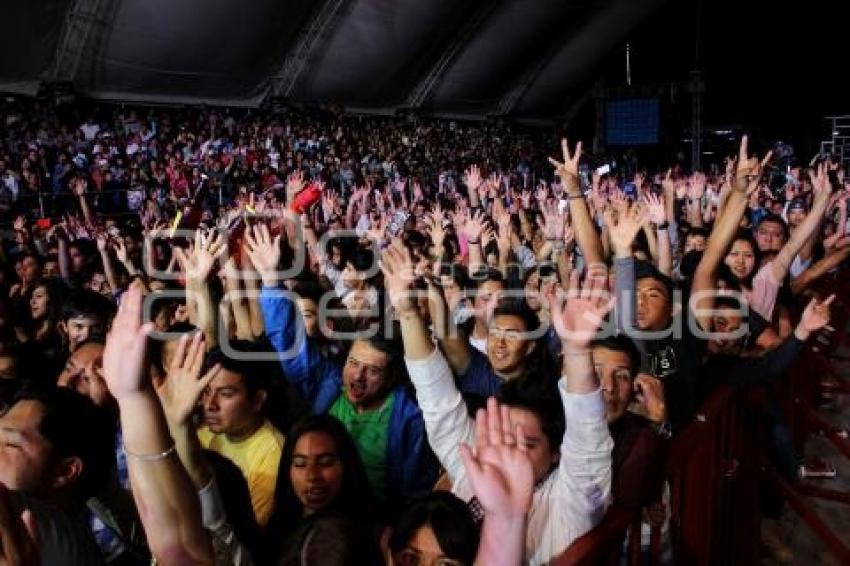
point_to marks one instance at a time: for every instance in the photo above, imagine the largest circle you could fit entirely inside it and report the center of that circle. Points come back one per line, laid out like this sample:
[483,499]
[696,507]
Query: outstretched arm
[746,180]
[804,232]
[585,232]
[165,497]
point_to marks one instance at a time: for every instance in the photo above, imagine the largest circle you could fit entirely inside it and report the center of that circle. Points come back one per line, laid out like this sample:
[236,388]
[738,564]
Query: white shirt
[570,501]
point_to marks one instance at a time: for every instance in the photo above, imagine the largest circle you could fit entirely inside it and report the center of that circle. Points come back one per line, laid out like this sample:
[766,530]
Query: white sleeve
[584,470]
[228,550]
[444,411]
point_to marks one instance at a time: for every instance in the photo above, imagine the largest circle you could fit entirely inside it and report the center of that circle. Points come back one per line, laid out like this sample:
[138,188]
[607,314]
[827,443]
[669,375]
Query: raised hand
[20,223]
[473,227]
[435,225]
[696,188]
[567,169]
[815,316]
[655,208]
[472,178]
[397,267]
[749,170]
[126,344]
[264,252]
[295,182]
[78,186]
[623,227]
[552,222]
[199,261]
[120,250]
[650,395]
[820,183]
[578,315]
[499,468]
[182,387]
[102,242]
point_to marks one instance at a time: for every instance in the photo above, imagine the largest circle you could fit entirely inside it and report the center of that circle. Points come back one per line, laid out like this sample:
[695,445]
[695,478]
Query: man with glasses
[367,394]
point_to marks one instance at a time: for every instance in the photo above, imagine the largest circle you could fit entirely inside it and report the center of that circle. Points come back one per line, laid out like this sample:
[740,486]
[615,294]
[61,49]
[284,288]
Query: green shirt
[370,430]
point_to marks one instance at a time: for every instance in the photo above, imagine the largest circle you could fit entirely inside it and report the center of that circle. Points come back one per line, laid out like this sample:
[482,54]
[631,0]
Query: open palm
[180,390]
[578,315]
[499,469]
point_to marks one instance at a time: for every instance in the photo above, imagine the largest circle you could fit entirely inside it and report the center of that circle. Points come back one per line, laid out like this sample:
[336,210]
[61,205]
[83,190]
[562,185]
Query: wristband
[663,226]
[473,243]
[152,457]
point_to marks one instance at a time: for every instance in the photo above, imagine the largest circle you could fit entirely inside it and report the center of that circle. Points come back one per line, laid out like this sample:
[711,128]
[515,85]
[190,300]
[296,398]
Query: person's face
[770,236]
[423,549]
[351,278]
[80,329]
[98,284]
[540,452]
[796,216]
[83,372]
[364,376]
[452,291]
[51,269]
[653,305]
[316,471]
[228,407]
[741,259]
[726,321]
[24,453]
[77,259]
[309,313]
[614,370]
[30,270]
[506,346]
[181,313]
[39,303]
[695,243]
[532,292]
[486,299]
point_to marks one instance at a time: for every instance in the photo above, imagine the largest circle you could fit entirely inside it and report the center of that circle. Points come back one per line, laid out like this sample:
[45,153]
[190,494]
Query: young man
[85,314]
[234,426]
[57,446]
[640,440]
[365,393]
[572,473]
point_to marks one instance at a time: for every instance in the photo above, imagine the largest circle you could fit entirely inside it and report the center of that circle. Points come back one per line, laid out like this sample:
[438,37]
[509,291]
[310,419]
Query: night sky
[773,69]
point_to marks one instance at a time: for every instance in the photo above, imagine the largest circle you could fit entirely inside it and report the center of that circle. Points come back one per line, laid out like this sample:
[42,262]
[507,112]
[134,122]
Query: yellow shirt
[258,457]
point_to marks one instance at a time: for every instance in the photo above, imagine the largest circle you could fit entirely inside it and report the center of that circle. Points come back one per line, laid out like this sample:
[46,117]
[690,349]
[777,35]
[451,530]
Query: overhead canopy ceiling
[527,58]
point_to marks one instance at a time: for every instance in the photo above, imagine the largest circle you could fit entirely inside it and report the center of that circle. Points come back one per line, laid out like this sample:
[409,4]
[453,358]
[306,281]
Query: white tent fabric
[473,57]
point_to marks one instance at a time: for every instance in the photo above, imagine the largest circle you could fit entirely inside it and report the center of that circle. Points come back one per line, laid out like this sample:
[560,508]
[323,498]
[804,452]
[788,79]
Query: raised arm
[585,231]
[164,494]
[804,232]
[179,393]
[109,271]
[658,216]
[78,186]
[197,264]
[813,273]
[745,182]
[502,478]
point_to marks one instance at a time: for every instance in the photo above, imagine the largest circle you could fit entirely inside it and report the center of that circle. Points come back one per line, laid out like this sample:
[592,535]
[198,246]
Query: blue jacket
[411,466]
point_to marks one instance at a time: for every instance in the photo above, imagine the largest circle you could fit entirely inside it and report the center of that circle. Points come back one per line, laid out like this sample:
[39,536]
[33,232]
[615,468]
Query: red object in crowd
[306,198]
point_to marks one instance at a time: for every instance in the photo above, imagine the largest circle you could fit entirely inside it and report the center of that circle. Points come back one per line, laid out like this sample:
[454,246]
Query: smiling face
[506,346]
[316,471]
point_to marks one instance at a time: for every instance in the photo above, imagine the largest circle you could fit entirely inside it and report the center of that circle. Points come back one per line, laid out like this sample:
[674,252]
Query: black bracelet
[470,242]
[663,226]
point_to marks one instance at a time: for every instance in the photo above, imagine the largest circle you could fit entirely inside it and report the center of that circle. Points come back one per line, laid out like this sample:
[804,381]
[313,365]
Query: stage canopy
[526,58]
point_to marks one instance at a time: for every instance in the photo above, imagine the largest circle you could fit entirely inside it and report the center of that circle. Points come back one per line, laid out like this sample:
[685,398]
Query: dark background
[775,69]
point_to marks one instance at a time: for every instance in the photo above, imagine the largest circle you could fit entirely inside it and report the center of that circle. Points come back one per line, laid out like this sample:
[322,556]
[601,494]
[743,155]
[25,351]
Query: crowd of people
[312,338]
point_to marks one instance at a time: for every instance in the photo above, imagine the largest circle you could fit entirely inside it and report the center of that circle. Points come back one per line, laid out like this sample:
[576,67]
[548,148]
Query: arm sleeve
[446,419]
[584,472]
[227,546]
[300,359]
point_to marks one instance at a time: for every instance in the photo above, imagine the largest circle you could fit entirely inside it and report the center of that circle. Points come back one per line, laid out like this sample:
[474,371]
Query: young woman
[324,508]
